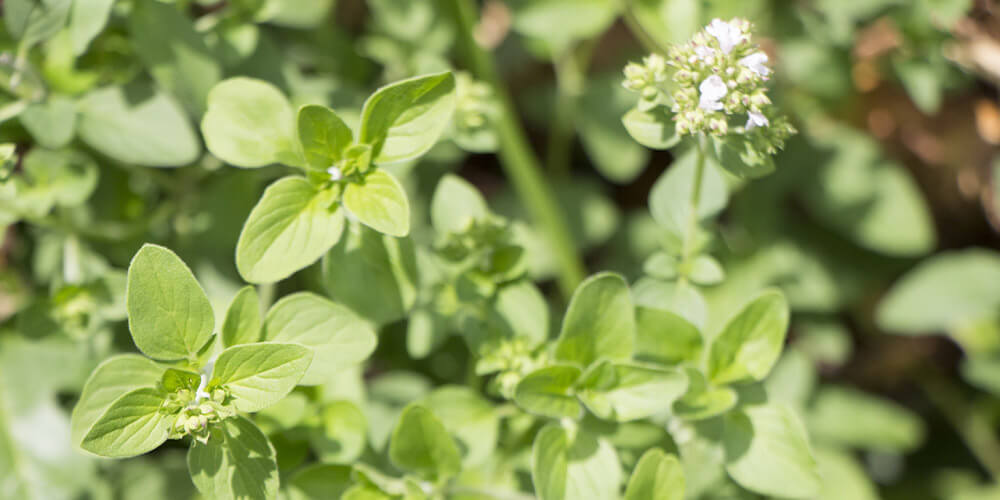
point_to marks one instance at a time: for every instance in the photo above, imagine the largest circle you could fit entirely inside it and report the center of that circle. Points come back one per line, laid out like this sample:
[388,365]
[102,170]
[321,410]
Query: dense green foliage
[498,250]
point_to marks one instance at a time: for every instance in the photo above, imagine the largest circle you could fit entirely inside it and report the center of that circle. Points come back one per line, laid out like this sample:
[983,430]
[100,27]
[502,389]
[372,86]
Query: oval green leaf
[338,337]
[403,120]
[292,226]
[258,375]
[168,312]
[249,123]
[380,202]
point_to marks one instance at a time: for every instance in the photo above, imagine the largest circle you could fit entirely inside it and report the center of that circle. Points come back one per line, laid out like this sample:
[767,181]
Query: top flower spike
[720,77]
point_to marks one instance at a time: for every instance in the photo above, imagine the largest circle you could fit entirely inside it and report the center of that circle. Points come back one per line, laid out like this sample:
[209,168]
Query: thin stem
[643,36]
[690,232]
[972,426]
[571,69]
[518,161]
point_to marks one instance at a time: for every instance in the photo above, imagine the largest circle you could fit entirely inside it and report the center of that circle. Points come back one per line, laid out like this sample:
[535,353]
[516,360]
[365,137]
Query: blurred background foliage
[880,224]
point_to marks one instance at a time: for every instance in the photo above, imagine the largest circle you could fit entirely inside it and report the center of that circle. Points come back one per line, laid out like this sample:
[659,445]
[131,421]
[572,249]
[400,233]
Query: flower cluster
[719,85]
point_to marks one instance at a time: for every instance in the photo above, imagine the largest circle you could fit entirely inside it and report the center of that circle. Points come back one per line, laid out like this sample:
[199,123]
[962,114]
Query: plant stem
[971,425]
[692,221]
[644,38]
[518,161]
[571,69]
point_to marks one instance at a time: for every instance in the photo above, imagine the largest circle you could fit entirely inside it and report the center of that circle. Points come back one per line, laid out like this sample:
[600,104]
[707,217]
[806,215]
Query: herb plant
[238,272]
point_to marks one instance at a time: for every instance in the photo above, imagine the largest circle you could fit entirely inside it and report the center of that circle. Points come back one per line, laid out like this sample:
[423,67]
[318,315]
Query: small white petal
[335,174]
[704,53]
[712,90]
[756,63]
[727,34]
[755,120]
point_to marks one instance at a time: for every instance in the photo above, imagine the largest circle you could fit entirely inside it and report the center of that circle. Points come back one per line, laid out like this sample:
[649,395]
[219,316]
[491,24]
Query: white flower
[756,62]
[712,90]
[728,34]
[335,174]
[206,372]
[704,53]
[755,120]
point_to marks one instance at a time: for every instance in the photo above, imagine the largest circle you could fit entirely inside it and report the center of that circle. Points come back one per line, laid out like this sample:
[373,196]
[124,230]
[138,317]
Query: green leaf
[338,337]
[549,392]
[455,204]
[740,157]
[243,318]
[132,425]
[174,379]
[653,129]
[706,271]
[379,202]
[767,451]
[924,85]
[565,469]
[560,22]
[670,198]
[401,121]
[469,418]
[421,444]
[108,382]
[625,392]
[615,155]
[52,123]
[249,123]
[168,313]
[292,226]
[669,22]
[237,463]
[751,342]
[34,21]
[87,19]
[665,337]
[385,264]
[320,482]
[299,14]
[549,464]
[843,476]
[868,198]
[259,375]
[342,435]
[166,42]
[599,322]
[703,400]
[138,126]
[944,293]
[853,418]
[657,476]
[323,136]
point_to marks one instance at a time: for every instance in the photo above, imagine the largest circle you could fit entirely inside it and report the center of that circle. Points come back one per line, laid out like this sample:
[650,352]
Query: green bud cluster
[193,416]
[475,106]
[511,360]
[649,80]
[487,244]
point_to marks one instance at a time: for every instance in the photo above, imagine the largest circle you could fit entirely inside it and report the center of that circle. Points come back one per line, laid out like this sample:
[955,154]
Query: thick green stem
[691,230]
[519,162]
[571,69]
[972,426]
